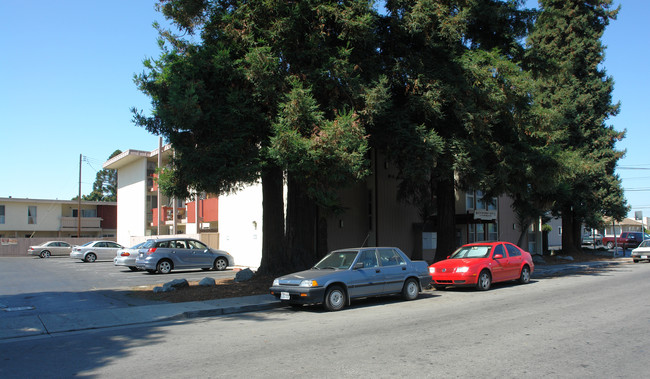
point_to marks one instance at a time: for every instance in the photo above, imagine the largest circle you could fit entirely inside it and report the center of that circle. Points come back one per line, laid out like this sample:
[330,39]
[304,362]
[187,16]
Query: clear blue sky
[66,88]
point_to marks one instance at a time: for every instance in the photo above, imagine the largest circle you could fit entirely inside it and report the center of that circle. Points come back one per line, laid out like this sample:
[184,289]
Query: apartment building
[41,218]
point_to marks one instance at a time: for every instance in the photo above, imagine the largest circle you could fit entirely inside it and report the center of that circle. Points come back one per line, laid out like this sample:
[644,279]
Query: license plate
[284,296]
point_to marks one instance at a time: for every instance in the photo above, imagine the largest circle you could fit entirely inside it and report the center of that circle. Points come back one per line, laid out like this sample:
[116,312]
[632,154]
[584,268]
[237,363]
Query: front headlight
[276,282]
[432,270]
[308,283]
[462,269]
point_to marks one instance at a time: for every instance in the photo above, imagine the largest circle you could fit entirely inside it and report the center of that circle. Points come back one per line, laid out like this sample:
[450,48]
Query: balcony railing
[86,222]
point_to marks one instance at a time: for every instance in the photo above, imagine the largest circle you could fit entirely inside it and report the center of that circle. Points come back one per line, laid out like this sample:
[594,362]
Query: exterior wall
[240,225]
[47,217]
[108,214]
[131,201]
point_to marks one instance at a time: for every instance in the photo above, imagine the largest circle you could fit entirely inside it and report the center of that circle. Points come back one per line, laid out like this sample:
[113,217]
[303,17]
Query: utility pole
[79,202]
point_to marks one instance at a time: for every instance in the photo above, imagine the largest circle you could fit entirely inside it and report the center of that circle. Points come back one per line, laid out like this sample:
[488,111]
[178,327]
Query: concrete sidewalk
[52,323]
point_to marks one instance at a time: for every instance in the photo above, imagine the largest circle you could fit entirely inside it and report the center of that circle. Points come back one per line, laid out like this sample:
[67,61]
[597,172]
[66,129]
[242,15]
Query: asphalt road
[57,284]
[575,326]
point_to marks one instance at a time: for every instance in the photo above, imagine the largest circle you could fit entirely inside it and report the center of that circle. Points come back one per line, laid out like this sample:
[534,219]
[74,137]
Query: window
[368,258]
[390,257]
[31,214]
[493,232]
[513,251]
[498,249]
[2,214]
[469,200]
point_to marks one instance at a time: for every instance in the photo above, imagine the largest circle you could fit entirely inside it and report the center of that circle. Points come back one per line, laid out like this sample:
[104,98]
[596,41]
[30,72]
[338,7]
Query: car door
[62,248]
[394,269]
[111,249]
[201,256]
[514,261]
[499,265]
[183,255]
[367,280]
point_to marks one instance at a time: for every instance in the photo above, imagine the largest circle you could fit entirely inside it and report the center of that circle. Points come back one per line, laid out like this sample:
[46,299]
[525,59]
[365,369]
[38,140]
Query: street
[583,325]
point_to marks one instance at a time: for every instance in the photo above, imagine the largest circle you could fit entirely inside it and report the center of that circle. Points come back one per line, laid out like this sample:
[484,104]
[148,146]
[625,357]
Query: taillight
[125,254]
[151,250]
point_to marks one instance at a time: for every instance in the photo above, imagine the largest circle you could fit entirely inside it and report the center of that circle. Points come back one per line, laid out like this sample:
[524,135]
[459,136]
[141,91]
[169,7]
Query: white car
[642,252]
[127,256]
[94,250]
[50,248]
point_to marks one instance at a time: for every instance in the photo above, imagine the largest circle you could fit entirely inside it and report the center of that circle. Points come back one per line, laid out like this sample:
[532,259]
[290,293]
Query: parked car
[127,256]
[481,264]
[625,240]
[592,240]
[167,254]
[94,250]
[343,275]
[642,252]
[50,248]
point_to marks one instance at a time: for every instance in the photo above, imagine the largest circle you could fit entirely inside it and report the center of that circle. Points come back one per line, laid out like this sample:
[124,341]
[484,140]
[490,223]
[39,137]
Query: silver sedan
[127,256]
[353,273]
[50,248]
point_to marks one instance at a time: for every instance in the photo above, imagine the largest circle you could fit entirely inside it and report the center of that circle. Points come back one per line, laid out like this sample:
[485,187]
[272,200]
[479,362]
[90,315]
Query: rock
[161,289]
[177,283]
[207,282]
[565,257]
[538,259]
[244,275]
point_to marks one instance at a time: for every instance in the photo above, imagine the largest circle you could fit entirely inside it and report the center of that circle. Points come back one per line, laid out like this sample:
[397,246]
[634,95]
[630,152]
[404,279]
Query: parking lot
[62,284]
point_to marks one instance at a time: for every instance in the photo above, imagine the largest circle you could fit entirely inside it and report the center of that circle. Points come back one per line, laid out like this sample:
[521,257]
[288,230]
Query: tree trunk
[446,217]
[302,227]
[274,256]
[570,244]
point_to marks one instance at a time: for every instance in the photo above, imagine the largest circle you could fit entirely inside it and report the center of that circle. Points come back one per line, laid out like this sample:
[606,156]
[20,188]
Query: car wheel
[220,264]
[45,254]
[164,267]
[635,260]
[133,268]
[334,298]
[525,275]
[410,290]
[610,245]
[90,257]
[484,281]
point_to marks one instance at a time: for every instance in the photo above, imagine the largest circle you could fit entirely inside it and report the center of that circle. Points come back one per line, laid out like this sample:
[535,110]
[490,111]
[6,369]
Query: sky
[66,90]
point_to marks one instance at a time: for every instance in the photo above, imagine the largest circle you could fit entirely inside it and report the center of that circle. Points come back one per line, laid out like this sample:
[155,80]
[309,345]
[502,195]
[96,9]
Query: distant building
[372,216]
[40,218]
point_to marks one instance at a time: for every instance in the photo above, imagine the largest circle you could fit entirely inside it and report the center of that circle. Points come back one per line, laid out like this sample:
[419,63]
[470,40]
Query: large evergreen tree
[566,56]
[271,88]
[458,100]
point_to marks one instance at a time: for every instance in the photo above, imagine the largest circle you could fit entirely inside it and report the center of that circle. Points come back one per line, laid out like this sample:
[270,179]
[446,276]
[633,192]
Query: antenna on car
[366,240]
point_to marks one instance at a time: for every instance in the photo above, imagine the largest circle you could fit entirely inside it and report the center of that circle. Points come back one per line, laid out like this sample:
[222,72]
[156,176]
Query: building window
[469,200]
[2,214]
[31,214]
[475,200]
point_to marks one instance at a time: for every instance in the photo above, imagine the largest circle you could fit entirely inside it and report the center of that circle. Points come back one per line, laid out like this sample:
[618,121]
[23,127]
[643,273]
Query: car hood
[296,277]
[451,263]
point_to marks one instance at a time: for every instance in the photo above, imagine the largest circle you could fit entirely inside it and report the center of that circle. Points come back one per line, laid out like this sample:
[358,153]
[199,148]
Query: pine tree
[566,56]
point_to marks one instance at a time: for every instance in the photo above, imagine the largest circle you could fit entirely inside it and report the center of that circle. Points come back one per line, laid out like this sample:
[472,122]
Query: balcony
[87,223]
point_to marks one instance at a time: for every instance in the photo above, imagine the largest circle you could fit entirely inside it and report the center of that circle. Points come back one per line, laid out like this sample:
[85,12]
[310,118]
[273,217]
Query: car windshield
[471,252]
[337,260]
[645,243]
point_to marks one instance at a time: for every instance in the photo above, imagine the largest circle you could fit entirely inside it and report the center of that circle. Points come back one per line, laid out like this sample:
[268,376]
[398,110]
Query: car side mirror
[497,256]
[358,265]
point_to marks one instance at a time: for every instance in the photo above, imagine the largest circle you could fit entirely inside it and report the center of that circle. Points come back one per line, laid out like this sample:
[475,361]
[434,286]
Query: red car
[481,264]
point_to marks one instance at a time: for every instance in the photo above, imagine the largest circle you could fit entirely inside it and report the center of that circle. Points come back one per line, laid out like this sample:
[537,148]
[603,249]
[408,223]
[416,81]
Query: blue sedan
[347,274]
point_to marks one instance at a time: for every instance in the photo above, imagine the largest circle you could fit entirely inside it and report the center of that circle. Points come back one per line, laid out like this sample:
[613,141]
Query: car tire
[411,290]
[133,268]
[164,266]
[484,281]
[524,277]
[635,260]
[334,298]
[220,264]
[610,245]
[45,254]
[90,257]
